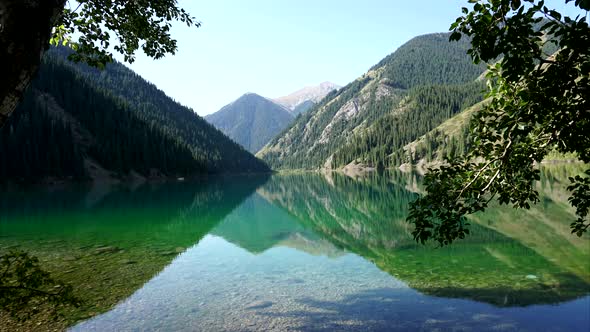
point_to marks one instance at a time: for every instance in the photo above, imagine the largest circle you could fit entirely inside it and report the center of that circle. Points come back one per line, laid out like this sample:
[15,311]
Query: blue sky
[276,47]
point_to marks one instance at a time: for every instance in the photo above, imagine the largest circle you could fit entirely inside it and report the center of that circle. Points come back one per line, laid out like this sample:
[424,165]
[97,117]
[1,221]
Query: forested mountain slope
[303,107]
[448,140]
[383,144]
[79,122]
[251,120]
[410,92]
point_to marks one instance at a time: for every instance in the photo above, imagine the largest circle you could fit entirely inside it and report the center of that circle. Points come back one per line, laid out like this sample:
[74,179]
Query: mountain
[305,98]
[82,123]
[368,122]
[251,120]
[303,107]
[447,140]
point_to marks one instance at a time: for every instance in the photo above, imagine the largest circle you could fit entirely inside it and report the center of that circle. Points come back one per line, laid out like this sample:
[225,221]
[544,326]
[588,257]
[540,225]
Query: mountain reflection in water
[306,252]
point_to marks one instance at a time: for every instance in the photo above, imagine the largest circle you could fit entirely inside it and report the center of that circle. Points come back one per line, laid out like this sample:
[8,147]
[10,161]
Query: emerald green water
[311,252]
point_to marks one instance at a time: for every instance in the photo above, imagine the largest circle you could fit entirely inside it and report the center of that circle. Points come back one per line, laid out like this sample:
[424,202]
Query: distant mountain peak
[313,94]
[248,96]
[251,120]
[330,85]
[254,97]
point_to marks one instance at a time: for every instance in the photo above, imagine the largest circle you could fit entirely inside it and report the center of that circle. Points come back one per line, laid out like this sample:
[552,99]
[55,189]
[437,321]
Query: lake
[288,252]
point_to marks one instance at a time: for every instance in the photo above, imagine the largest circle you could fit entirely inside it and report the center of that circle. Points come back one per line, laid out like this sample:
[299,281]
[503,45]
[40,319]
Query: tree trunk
[25,30]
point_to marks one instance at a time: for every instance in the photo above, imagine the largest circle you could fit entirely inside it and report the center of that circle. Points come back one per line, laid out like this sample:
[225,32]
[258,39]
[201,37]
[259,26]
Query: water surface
[306,252]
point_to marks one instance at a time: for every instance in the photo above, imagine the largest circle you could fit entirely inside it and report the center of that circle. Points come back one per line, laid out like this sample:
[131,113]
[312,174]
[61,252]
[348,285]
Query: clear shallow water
[218,286]
[302,252]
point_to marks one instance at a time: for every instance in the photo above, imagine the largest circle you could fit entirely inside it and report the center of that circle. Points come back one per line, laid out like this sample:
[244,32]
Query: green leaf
[515,4]
[555,15]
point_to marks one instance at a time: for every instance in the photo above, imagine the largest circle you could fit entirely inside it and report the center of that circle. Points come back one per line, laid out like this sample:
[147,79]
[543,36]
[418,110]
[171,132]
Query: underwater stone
[259,305]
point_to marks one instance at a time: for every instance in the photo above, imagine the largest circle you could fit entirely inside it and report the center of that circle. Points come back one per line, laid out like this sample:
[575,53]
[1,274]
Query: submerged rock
[106,250]
[259,305]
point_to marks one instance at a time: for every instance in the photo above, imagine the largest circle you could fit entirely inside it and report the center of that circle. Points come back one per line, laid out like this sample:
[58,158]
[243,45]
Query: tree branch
[475,178]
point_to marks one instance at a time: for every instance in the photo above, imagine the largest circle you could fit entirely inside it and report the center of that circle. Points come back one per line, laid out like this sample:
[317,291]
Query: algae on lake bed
[107,248]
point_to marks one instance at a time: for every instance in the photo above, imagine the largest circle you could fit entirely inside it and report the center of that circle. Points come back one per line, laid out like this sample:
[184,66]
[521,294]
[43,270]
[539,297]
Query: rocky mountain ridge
[408,93]
[313,94]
